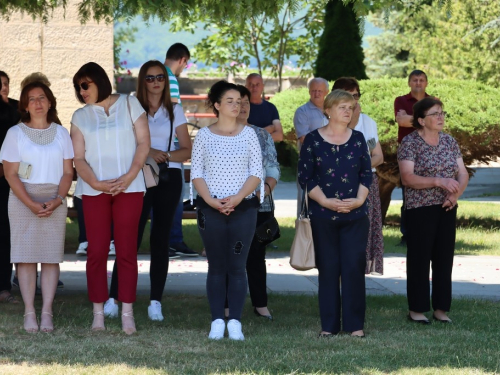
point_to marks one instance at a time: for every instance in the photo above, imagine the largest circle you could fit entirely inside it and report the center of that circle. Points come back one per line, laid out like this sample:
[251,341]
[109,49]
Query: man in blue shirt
[263,113]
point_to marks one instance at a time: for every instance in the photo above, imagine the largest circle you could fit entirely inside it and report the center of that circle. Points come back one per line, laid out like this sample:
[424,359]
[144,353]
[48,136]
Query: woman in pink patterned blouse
[434,176]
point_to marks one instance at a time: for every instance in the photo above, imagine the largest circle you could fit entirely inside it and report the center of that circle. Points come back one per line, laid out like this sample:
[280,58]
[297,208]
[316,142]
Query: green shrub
[473,112]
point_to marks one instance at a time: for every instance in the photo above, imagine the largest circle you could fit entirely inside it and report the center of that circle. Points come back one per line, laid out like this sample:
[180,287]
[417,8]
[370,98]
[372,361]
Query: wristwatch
[62,198]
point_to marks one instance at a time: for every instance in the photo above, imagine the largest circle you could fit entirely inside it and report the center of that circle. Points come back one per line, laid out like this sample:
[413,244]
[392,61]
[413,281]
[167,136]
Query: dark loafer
[270,317]
[420,321]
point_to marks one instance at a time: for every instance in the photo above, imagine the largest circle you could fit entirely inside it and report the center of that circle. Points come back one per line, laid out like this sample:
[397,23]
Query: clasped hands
[114,186]
[343,206]
[45,209]
[225,205]
[452,186]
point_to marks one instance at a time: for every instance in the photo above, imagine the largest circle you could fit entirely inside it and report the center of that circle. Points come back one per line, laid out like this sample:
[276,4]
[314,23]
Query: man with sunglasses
[177,58]
[403,112]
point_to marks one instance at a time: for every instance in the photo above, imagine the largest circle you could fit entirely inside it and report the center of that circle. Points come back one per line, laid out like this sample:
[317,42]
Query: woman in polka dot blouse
[226,168]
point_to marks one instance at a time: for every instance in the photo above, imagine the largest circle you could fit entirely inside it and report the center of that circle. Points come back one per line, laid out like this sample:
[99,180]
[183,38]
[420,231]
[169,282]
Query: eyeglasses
[84,86]
[356,96]
[437,114]
[151,79]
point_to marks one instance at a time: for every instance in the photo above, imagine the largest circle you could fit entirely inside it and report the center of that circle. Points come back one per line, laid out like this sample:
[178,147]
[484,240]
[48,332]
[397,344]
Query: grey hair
[319,80]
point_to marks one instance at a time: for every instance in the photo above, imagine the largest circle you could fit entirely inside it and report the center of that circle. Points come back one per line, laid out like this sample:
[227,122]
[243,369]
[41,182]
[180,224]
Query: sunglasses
[159,78]
[356,96]
[84,86]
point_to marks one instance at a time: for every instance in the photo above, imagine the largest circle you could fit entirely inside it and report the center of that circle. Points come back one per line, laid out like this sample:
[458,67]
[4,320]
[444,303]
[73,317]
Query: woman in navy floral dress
[434,176]
[335,168]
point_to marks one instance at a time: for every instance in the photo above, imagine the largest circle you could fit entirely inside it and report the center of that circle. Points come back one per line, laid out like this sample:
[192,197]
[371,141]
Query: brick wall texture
[57,49]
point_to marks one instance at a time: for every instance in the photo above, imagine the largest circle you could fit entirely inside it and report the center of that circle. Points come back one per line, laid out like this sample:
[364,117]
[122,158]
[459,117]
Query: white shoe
[111,308]
[234,330]
[217,329]
[112,250]
[154,311]
[82,248]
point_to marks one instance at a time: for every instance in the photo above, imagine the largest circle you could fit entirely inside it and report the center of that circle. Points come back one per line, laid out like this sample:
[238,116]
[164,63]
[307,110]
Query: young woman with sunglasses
[109,158]
[166,121]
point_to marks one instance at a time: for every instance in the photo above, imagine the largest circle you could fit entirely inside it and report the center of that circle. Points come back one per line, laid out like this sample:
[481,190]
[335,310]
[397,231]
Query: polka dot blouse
[226,162]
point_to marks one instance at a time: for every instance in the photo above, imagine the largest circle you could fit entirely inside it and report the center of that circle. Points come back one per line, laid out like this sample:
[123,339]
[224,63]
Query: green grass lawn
[289,345]
[478,231]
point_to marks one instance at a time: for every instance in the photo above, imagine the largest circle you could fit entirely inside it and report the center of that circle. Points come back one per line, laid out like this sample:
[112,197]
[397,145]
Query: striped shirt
[174,85]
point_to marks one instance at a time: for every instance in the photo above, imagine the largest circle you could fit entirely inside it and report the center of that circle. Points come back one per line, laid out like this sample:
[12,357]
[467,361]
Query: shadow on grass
[179,345]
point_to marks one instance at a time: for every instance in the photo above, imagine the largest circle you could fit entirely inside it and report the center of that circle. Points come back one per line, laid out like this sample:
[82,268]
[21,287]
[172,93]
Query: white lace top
[44,149]
[226,162]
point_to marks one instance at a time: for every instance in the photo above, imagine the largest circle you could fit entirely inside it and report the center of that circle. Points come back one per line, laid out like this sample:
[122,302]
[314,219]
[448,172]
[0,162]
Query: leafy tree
[340,52]
[270,38]
[122,35]
[456,45]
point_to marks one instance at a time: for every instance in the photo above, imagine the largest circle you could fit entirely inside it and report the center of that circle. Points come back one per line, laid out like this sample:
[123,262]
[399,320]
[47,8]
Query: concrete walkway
[474,276]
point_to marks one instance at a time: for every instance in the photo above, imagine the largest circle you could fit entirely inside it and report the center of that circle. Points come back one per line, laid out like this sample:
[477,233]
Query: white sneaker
[217,329]
[111,308]
[234,330]
[112,250]
[82,248]
[154,311]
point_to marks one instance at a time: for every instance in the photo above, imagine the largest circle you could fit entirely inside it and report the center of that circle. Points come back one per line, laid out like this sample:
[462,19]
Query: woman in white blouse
[166,121]
[109,160]
[226,168]
[37,159]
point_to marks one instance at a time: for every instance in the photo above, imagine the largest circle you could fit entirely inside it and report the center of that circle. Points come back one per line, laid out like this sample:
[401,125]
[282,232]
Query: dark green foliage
[340,52]
[474,114]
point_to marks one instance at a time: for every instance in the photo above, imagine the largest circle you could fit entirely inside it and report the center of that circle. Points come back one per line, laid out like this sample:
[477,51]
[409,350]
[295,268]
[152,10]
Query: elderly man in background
[309,117]
[263,114]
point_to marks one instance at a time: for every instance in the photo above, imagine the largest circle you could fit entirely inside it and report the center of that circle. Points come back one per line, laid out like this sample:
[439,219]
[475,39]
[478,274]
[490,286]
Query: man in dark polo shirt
[403,110]
[262,113]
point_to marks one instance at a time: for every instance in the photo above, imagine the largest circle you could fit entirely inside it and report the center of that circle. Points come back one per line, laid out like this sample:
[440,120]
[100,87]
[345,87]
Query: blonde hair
[336,97]
[35,77]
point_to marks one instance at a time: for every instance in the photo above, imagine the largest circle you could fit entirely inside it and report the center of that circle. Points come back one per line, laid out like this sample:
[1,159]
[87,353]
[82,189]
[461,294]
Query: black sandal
[6,297]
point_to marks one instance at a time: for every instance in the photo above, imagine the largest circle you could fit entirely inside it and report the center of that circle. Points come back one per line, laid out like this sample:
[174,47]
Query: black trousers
[340,249]
[163,199]
[5,264]
[430,239]
[256,268]
[227,242]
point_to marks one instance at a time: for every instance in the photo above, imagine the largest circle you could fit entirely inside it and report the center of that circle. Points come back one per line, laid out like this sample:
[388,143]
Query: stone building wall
[57,49]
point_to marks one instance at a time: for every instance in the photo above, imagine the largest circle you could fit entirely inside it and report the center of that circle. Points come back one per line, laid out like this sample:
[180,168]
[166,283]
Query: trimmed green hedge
[473,110]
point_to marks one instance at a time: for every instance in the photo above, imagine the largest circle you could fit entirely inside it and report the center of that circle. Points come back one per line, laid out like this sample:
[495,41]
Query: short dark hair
[216,93]
[177,51]
[417,72]
[346,83]
[24,101]
[244,91]
[421,107]
[98,76]
[3,74]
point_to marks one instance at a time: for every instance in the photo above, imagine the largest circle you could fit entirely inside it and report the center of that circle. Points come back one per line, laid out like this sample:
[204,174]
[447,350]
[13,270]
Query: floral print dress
[337,170]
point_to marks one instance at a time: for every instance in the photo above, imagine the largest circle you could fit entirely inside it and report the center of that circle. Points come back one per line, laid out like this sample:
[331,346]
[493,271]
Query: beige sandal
[31,329]
[98,328]
[129,330]
[46,329]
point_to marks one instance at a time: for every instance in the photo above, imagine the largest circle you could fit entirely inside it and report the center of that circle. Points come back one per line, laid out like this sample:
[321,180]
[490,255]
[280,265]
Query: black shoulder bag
[269,230]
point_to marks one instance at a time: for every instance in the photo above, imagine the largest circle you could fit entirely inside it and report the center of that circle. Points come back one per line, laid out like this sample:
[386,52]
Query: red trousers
[124,211]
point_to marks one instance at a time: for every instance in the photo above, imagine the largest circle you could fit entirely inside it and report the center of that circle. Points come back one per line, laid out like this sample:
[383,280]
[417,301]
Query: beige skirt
[34,239]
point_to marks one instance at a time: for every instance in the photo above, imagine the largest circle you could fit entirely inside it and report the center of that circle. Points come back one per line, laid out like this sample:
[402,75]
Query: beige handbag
[150,171]
[302,250]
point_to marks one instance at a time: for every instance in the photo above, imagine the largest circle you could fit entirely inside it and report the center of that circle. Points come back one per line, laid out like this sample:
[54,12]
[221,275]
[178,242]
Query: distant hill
[153,39]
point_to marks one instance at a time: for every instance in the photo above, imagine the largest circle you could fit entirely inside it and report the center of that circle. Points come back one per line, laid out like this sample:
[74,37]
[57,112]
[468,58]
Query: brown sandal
[6,297]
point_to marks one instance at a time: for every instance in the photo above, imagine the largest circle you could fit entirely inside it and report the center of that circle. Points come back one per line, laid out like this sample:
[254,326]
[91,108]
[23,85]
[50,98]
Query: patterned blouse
[337,170]
[270,163]
[430,161]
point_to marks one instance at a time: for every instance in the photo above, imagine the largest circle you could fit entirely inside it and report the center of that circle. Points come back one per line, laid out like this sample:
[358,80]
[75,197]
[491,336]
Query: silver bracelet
[62,198]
